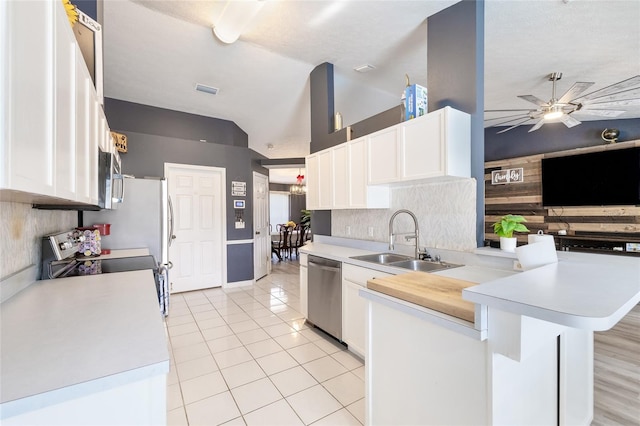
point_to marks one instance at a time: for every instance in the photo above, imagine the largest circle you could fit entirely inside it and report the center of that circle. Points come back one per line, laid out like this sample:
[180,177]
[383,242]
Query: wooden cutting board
[442,294]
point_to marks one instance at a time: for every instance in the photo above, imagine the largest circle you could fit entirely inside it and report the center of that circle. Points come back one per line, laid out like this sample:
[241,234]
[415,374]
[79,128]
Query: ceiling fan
[623,93]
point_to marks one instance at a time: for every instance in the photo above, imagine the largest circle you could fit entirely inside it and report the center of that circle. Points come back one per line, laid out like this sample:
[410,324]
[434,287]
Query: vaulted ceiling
[156,51]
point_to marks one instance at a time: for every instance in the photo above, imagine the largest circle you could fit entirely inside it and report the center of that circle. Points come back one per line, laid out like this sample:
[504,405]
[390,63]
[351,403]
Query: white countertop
[68,337]
[586,291]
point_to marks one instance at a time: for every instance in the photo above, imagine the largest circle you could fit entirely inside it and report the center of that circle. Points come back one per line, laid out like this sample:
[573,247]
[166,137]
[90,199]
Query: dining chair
[282,247]
[300,232]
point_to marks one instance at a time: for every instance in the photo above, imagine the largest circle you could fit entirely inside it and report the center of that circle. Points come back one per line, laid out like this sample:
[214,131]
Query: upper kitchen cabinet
[27,144]
[48,141]
[337,179]
[435,145]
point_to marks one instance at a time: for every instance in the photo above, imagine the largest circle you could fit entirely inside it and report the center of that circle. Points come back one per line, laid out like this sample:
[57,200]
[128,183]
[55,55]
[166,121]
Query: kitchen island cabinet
[84,350]
[534,364]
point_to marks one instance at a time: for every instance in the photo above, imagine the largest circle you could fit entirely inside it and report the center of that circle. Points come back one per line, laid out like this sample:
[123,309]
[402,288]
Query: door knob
[257,232]
[173,237]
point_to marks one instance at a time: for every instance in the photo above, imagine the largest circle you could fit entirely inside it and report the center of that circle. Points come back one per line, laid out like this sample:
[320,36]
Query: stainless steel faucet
[416,235]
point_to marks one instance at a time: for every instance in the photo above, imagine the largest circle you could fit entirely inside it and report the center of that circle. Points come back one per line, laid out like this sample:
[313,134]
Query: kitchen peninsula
[526,358]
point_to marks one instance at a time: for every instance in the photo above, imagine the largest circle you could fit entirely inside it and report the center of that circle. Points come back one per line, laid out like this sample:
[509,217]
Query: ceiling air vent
[206,89]
[364,68]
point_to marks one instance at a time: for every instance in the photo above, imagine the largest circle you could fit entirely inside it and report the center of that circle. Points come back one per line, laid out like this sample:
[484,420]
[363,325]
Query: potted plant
[505,228]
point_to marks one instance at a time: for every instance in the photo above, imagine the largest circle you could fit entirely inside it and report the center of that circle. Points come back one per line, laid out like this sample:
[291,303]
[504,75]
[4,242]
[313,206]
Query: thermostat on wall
[238,204]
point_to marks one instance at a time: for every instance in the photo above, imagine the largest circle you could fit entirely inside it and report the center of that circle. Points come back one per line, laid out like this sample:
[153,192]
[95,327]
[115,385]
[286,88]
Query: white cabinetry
[319,180]
[354,307]
[435,145]
[27,144]
[65,107]
[48,146]
[337,179]
[325,180]
[304,288]
[384,163]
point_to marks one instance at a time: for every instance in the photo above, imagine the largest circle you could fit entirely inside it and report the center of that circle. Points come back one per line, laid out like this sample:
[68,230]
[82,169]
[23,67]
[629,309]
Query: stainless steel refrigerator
[144,219]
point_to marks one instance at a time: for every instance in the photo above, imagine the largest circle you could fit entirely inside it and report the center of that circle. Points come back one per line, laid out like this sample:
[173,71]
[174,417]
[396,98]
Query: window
[278,208]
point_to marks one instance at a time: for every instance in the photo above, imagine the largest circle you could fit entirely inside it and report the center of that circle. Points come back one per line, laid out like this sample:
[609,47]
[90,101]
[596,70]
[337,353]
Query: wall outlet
[348,230]
[517,266]
[370,231]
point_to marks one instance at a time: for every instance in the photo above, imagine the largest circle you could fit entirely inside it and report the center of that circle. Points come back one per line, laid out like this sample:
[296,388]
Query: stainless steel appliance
[60,260]
[110,181]
[325,295]
[144,219]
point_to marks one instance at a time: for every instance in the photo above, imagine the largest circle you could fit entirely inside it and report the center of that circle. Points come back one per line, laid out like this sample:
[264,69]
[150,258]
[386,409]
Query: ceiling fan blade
[574,91]
[514,126]
[533,99]
[506,110]
[617,87]
[507,116]
[600,112]
[536,126]
[569,121]
[618,102]
[632,93]
[523,118]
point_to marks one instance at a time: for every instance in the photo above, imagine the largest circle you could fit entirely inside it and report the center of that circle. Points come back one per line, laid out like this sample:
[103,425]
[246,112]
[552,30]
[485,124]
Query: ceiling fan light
[553,114]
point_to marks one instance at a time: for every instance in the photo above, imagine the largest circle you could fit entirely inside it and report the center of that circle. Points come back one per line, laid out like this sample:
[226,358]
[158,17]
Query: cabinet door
[313,184]
[325,180]
[65,110]
[383,156]
[28,144]
[357,173]
[354,317]
[422,147]
[340,176]
[86,146]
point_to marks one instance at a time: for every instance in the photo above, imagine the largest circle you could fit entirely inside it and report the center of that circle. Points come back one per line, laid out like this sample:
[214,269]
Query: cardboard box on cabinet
[415,101]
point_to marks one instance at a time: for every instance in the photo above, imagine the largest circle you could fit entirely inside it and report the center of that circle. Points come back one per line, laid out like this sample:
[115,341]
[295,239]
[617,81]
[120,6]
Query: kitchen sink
[405,262]
[382,258]
[423,265]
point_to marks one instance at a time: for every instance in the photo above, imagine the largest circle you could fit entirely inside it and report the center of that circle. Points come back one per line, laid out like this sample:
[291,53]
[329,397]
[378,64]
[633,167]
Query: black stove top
[104,266]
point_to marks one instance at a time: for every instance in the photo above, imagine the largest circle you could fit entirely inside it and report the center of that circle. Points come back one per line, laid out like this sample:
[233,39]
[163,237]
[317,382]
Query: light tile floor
[244,356]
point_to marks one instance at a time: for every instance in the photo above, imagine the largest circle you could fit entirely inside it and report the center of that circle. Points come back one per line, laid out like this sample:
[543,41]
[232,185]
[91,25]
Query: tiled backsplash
[21,230]
[446,214]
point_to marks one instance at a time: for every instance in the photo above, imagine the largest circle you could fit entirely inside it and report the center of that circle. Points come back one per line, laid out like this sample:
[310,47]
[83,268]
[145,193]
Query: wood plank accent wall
[526,199]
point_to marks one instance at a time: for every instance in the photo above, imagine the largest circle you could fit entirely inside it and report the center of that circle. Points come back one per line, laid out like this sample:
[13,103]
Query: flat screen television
[606,178]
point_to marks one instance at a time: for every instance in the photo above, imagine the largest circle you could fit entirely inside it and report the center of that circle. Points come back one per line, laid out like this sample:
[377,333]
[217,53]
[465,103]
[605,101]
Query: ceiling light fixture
[298,188]
[234,19]
[364,68]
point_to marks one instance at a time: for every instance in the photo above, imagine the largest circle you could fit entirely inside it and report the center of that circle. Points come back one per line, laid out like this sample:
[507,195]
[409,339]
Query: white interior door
[261,234]
[198,250]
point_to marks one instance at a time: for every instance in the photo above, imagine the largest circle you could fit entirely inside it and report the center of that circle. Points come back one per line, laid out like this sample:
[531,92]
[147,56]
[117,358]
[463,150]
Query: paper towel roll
[535,238]
[537,254]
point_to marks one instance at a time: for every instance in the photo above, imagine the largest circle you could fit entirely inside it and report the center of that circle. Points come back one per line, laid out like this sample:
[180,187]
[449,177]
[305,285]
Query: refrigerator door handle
[120,177]
[171,236]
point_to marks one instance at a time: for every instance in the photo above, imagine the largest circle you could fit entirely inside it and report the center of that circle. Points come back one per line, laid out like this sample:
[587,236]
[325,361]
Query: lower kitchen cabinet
[304,290]
[354,307]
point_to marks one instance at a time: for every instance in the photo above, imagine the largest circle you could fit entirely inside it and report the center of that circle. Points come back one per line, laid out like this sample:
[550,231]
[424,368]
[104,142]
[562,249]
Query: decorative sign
[238,189]
[502,177]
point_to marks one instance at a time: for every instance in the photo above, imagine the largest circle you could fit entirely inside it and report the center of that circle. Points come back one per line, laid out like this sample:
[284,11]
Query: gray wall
[148,151]
[552,137]
[455,77]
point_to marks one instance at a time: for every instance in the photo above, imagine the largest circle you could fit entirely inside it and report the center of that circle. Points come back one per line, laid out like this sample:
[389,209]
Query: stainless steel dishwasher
[325,295]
